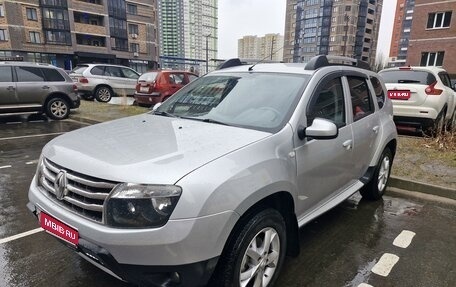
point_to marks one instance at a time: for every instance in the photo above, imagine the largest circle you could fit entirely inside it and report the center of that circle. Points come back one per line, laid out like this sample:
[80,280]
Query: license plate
[59,229]
[399,95]
[144,89]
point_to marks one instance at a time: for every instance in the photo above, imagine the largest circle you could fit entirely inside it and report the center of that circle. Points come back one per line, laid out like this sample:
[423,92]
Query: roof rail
[328,60]
[230,63]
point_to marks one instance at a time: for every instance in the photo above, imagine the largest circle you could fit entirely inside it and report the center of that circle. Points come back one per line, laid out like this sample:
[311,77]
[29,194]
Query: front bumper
[189,247]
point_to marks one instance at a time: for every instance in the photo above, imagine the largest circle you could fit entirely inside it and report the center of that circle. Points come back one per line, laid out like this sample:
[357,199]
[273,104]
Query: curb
[415,186]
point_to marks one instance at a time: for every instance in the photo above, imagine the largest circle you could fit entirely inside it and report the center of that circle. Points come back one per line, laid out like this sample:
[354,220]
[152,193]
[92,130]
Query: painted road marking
[32,162]
[404,239]
[24,234]
[31,136]
[365,285]
[5,166]
[385,264]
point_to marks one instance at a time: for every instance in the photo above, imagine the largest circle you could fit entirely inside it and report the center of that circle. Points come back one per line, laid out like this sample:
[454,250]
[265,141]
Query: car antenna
[260,61]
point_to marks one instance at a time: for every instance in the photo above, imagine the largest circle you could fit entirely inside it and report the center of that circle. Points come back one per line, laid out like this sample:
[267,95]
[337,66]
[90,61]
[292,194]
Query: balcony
[56,24]
[89,29]
[90,40]
[88,6]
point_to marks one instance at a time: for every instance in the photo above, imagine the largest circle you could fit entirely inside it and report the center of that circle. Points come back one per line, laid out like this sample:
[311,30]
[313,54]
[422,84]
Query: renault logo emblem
[60,185]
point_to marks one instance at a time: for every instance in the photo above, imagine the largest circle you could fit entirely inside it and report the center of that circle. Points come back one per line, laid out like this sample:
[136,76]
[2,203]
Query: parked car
[422,97]
[157,86]
[213,185]
[29,88]
[103,81]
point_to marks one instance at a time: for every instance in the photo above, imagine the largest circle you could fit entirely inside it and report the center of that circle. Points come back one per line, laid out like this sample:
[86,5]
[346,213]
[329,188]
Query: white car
[422,97]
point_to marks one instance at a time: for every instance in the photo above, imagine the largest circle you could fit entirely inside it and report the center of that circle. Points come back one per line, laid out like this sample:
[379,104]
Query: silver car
[212,186]
[104,81]
[29,88]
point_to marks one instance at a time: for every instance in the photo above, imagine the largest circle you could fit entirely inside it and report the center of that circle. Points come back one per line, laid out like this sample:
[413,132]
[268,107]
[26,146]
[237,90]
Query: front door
[324,167]
[7,88]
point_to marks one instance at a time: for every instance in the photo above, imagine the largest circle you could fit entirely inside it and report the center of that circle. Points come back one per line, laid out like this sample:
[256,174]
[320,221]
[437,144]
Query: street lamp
[207,52]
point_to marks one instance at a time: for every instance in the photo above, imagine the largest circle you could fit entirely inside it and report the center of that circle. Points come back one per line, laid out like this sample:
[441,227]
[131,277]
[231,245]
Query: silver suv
[212,186]
[104,81]
[29,88]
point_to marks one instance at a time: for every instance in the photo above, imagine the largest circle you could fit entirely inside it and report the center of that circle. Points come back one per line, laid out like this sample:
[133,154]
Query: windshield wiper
[166,114]
[206,120]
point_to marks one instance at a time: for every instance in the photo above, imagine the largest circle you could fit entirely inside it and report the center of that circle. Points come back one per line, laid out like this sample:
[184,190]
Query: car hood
[146,149]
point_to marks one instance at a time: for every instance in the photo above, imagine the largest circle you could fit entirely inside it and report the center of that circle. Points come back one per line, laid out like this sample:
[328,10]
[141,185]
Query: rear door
[130,79]
[365,123]
[7,88]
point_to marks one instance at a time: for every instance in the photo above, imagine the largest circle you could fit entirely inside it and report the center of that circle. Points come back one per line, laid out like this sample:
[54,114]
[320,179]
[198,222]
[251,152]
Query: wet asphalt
[339,248]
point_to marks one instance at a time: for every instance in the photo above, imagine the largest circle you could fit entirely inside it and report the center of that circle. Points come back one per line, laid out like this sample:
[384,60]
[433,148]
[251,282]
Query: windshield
[261,101]
[408,77]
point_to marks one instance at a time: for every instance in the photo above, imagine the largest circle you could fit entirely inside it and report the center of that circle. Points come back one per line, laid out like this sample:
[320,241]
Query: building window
[132,9]
[31,14]
[3,35]
[133,29]
[439,20]
[432,58]
[58,37]
[134,47]
[2,13]
[348,8]
[35,37]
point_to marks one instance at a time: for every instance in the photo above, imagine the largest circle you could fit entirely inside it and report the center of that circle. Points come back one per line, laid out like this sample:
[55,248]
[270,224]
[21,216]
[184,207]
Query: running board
[331,203]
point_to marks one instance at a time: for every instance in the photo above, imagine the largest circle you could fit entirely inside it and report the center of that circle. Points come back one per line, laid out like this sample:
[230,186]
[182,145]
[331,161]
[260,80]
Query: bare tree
[380,62]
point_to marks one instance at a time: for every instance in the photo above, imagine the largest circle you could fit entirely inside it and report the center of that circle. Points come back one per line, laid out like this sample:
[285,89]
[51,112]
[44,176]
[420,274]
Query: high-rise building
[68,32]
[432,39]
[345,27]
[401,32]
[269,47]
[188,34]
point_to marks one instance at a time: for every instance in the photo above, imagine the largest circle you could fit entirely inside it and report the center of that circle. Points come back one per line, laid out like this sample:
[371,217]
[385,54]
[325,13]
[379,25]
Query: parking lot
[394,242]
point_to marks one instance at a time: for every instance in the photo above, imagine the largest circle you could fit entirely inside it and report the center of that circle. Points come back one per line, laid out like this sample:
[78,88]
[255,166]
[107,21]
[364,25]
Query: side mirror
[156,106]
[321,129]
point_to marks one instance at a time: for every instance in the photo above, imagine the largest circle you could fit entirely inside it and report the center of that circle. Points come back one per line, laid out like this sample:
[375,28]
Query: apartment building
[69,32]
[433,35]
[401,32]
[340,27]
[188,33]
[269,47]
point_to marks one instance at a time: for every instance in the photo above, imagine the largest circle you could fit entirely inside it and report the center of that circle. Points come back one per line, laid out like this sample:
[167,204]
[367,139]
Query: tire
[103,94]
[57,109]
[439,125]
[452,122]
[248,258]
[376,187]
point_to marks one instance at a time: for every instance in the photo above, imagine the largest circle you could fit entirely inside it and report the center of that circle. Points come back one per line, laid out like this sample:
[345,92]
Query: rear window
[79,69]
[408,77]
[148,77]
[53,75]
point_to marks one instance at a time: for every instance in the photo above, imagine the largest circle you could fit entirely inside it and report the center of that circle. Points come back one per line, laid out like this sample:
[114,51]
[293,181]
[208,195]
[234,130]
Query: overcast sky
[238,18]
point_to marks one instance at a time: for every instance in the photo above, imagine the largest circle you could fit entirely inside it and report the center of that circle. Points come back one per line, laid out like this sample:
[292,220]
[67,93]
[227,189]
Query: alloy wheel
[59,109]
[260,259]
[383,173]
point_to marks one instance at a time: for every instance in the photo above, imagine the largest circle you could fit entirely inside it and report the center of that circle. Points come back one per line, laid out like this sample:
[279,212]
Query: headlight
[140,206]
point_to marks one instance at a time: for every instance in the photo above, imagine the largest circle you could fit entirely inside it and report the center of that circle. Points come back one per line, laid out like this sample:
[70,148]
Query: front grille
[85,195]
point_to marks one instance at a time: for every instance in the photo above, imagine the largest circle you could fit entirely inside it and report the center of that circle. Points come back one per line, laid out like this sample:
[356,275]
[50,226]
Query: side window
[97,71]
[52,75]
[5,74]
[191,77]
[360,96]
[29,74]
[379,93]
[179,79]
[113,72]
[445,79]
[129,74]
[328,104]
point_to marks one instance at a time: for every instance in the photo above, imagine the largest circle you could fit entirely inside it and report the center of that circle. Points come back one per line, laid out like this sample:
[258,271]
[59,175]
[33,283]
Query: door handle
[11,88]
[376,129]
[347,144]
[45,87]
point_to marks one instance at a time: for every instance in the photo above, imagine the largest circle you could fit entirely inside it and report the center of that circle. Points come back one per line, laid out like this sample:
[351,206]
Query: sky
[238,18]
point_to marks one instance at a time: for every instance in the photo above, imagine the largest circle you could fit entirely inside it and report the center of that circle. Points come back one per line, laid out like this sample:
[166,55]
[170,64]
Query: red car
[156,86]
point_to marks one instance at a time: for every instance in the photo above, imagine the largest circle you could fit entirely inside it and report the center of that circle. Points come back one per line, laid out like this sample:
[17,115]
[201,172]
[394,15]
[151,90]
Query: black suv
[28,88]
